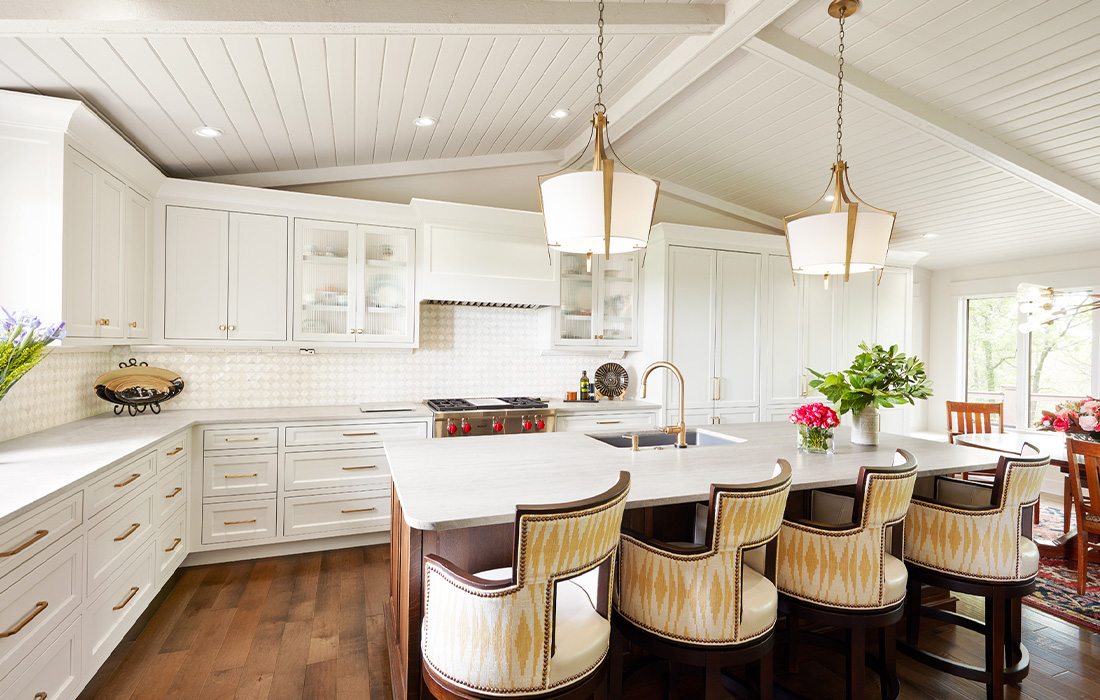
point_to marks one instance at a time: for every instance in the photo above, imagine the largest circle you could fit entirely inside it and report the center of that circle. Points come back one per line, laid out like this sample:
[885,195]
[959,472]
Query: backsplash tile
[58,390]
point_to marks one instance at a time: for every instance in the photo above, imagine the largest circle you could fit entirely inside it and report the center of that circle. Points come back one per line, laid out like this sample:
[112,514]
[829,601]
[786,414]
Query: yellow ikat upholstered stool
[975,538]
[841,566]
[539,628]
[712,604]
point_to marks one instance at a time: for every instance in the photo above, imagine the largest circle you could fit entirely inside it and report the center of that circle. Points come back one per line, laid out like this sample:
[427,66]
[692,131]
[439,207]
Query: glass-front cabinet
[599,301]
[353,283]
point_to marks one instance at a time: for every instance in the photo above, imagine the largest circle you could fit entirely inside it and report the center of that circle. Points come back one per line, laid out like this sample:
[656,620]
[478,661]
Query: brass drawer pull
[127,482]
[241,476]
[38,608]
[175,492]
[133,324]
[359,434]
[103,321]
[359,510]
[608,422]
[239,522]
[364,466]
[174,452]
[133,528]
[127,599]
[175,543]
[38,534]
[254,438]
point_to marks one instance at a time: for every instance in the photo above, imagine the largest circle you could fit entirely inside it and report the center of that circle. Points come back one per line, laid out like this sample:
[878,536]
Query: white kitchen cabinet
[225,275]
[353,283]
[600,300]
[137,264]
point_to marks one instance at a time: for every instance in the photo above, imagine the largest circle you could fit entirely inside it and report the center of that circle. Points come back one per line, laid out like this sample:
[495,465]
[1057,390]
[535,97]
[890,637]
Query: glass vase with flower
[815,423]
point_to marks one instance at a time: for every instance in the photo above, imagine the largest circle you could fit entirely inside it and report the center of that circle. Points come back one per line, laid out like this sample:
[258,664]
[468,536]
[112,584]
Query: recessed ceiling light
[424,121]
[207,132]
[559,113]
[931,235]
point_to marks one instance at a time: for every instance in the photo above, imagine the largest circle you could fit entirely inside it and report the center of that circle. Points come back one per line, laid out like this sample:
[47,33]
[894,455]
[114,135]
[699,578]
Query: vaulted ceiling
[977,120]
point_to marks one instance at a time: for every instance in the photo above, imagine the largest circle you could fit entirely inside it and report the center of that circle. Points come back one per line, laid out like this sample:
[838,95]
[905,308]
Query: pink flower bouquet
[815,423]
[1081,416]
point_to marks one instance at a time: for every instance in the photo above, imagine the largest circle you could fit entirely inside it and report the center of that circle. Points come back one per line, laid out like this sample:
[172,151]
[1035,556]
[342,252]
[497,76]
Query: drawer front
[53,673]
[240,438]
[122,481]
[237,522]
[335,514]
[119,535]
[171,492]
[366,468]
[236,474]
[355,434]
[175,449]
[32,607]
[113,612]
[171,547]
[607,422]
[32,534]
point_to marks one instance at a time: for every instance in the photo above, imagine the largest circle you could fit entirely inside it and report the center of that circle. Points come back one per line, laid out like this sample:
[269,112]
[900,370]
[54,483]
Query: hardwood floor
[311,626]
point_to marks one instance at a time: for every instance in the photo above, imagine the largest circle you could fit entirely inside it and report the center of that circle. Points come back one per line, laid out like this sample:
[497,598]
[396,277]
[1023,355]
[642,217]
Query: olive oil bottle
[586,387]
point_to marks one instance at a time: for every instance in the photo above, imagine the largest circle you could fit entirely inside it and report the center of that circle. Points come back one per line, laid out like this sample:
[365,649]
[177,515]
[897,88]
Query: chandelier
[1042,306]
[850,235]
[603,208]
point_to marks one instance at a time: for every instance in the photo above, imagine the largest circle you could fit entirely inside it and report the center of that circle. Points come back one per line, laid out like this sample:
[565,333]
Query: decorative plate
[611,380]
[135,387]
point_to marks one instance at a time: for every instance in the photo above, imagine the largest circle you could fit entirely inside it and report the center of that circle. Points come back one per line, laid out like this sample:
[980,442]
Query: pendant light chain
[600,107]
[840,94]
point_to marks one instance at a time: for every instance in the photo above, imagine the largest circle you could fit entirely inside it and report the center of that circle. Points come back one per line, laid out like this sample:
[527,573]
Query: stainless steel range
[491,416]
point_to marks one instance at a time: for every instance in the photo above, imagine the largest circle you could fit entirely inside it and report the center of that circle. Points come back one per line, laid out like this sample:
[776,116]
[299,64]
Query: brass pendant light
[851,235]
[603,208]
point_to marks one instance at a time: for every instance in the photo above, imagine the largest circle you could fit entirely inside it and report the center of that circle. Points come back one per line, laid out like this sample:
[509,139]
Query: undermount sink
[654,438]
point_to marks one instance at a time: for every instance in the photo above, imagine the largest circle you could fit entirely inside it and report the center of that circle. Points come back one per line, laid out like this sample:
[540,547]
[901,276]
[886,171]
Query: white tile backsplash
[57,391]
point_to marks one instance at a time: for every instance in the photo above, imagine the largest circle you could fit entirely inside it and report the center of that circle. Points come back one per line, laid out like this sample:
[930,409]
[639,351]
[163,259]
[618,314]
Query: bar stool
[842,567]
[706,605]
[972,537]
[535,628]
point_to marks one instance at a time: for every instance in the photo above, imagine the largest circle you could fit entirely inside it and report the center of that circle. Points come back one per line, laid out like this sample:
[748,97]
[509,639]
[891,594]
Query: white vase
[865,426]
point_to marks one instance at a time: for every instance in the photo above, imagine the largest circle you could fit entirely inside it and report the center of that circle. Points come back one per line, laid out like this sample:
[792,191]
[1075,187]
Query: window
[1061,358]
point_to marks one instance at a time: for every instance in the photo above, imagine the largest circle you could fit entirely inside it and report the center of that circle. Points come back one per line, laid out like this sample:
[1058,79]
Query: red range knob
[452,428]
[466,427]
[498,427]
[540,424]
[527,425]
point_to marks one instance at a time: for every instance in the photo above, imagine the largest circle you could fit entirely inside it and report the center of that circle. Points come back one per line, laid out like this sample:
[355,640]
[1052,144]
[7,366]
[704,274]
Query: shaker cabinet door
[196,279]
[107,270]
[738,335]
[692,324]
[79,246]
[257,277]
[136,265]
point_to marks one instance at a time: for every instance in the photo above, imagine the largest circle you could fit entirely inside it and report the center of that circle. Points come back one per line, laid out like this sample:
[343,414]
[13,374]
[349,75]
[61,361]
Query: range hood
[484,256]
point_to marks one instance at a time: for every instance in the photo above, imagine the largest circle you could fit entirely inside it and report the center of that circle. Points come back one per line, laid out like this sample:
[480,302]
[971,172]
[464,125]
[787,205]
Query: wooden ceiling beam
[293,17]
[802,58]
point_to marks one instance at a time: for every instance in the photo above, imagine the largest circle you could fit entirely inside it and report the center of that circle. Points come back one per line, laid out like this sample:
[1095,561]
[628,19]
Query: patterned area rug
[1056,592]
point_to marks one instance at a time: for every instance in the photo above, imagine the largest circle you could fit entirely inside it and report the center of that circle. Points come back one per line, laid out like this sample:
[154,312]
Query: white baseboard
[278,549]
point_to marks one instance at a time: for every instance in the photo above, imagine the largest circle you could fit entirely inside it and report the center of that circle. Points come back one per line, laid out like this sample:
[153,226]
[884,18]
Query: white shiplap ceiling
[978,120]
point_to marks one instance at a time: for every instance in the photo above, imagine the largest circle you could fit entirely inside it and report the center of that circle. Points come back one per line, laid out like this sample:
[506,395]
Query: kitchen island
[457,498]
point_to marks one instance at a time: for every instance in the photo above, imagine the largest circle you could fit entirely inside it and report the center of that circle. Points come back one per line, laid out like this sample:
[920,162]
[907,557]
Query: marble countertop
[604,406]
[39,466]
[446,484]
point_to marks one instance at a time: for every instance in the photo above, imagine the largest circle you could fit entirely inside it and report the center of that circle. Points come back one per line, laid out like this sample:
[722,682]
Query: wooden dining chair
[1084,470]
[971,417]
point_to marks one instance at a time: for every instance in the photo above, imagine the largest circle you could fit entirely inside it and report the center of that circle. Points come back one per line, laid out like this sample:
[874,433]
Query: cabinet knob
[103,321]
[133,324]
[223,327]
[232,327]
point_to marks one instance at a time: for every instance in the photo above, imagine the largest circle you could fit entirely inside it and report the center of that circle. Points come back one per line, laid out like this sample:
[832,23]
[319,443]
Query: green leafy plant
[878,377]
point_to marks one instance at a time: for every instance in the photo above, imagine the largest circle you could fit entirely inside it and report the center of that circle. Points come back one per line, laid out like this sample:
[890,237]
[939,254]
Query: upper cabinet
[600,300]
[225,275]
[137,254]
[353,283]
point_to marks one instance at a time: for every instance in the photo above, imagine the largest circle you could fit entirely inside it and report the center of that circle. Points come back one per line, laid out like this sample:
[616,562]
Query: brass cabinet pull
[364,466]
[254,438]
[38,534]
[175,543]
[241,476]
[239,522]
[232,327]
[132,529]
[38,608]
[127,599]
[716,388]
[359,434]
[133,324]
[359,510]
[175,492]
[174,452]
[127,482]
[608,422]
[223,327]
[103,321]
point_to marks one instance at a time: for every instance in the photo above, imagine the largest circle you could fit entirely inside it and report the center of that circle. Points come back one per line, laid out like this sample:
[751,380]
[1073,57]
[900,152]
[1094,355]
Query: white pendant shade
[573,209]
[818,242]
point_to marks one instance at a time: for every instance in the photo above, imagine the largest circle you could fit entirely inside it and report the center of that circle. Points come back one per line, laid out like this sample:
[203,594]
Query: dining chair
[711,604]
[975,538]
[973,417]
[539,627]
[1083,457]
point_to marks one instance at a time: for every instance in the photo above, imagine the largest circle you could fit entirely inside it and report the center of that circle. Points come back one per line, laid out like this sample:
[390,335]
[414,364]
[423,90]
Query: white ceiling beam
[374,171]
[436,17]
[800,57]
[683,66]
[717,204]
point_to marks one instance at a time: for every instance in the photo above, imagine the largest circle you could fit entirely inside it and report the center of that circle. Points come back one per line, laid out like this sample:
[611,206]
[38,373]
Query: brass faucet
[680,429]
